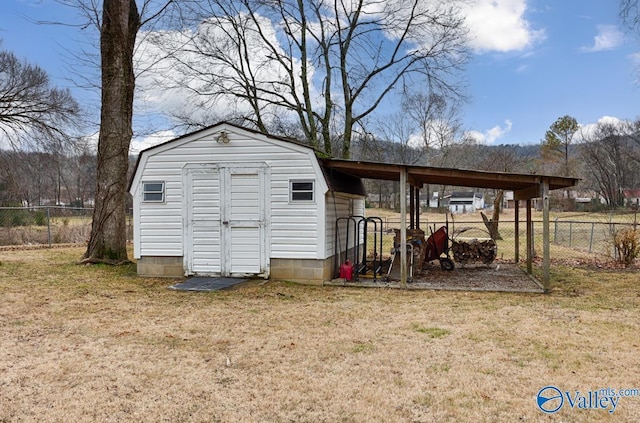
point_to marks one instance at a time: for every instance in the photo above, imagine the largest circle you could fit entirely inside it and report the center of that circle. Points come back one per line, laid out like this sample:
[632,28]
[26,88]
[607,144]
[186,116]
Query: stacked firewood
[416,238]
[474,250]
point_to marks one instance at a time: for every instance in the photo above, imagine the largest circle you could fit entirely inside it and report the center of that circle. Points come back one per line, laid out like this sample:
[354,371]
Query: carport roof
[524,186]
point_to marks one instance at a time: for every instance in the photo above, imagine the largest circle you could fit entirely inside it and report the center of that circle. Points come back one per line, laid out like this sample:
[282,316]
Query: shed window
[153,192]
[302,191]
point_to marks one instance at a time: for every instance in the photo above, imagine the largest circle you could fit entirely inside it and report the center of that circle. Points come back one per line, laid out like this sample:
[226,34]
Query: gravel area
[498,276]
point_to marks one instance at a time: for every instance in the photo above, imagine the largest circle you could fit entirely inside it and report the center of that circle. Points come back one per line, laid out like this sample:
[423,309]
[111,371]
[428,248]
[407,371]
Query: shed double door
[226,223]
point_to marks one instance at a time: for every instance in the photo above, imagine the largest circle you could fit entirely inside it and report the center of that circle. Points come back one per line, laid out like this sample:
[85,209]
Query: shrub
[627,245]
[17,218]
[40,218]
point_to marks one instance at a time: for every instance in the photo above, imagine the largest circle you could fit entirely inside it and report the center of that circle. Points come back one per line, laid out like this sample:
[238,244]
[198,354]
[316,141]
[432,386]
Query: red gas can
[346,270]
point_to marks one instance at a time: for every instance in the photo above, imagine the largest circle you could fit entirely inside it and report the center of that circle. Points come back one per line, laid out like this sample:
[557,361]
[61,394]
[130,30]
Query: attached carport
[525,187]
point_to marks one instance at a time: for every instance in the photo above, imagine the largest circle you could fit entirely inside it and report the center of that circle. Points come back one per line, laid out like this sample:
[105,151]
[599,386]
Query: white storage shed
[229,201]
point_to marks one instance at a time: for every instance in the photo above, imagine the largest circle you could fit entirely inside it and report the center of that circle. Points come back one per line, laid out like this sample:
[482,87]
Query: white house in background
[465,202]
[508,201]
[631,197]
[228,201]
[433,201]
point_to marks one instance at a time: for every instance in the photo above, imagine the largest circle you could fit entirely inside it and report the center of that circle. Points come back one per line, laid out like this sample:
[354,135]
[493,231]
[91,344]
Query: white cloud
[608,38]
[490,136]
[587,131]
[139,144]
[416,141]
[476,136]
[499,25]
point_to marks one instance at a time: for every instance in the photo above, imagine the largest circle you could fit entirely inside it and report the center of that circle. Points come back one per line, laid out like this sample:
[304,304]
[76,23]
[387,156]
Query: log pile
[416,238]
[474,250]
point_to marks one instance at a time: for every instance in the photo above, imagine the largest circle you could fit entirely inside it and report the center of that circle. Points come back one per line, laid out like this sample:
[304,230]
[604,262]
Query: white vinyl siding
[295,230]
[341,206]
[160,228]
[294,225]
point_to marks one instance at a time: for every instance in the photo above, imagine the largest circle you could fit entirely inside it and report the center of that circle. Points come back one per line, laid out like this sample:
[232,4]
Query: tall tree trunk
[120,24]
[492,224]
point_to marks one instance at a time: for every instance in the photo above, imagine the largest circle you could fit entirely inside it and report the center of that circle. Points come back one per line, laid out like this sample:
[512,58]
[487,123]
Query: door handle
[225,222]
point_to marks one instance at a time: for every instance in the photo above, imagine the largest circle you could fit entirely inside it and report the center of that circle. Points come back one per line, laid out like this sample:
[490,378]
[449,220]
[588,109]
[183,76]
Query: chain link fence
[44,225]
[573,239]
[593,237]
[47,225]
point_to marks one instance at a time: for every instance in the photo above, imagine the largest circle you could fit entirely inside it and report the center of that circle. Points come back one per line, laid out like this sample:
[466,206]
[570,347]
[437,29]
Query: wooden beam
[527,193]
[546,255]
[526,185]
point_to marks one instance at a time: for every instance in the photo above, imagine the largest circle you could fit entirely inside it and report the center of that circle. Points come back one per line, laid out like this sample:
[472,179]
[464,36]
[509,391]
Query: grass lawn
[97,343]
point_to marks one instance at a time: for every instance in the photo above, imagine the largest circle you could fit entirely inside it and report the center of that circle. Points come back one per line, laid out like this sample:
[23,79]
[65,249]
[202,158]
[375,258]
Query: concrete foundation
[161,267]
[306,271]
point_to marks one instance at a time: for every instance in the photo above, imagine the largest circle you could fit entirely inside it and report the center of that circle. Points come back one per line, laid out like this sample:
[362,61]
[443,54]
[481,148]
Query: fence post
[555,230]
[591,240]
[570,233]
[49,226]
[533,240]
[615,250]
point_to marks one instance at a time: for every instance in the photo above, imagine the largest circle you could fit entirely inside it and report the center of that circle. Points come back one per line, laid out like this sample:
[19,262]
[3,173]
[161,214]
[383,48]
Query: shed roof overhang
[524,186]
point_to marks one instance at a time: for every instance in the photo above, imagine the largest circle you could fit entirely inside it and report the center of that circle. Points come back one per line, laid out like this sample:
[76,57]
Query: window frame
[162,192]
[292,191]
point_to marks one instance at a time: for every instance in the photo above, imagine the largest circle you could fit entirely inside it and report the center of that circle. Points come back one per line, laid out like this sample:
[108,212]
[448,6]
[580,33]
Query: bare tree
[612,161]
[438,130]
[630,14]
[118,23]
[32,112]
[398,133]
[329,65]
[437,123]
[634,134]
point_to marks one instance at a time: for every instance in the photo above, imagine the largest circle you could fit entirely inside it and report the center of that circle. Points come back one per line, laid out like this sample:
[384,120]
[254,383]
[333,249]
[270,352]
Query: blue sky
[581,64]
[534,61]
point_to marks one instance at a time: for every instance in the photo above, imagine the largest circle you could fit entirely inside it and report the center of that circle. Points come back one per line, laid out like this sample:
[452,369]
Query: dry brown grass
[101,344]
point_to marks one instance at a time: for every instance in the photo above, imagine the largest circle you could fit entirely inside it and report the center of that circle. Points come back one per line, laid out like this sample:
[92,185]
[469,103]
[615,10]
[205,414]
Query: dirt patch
[497,277]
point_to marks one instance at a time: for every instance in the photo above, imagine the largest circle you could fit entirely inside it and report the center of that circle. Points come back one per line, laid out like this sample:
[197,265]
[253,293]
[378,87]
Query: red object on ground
[346,270]
[437,244]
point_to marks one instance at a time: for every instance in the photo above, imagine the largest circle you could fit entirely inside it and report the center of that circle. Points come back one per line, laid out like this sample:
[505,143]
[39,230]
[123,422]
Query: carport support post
[529,238]
[403,227]
[546,255]
[412,207]
[417,207]
[517,231]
